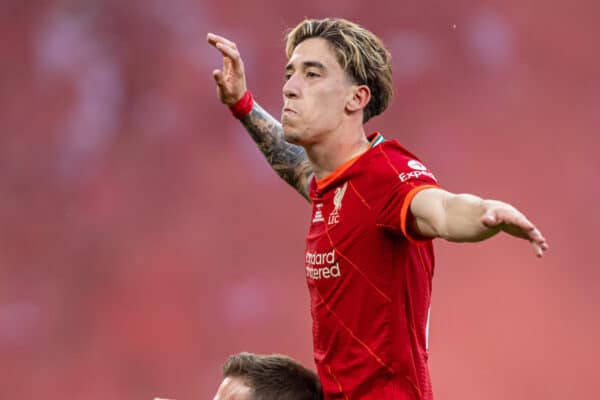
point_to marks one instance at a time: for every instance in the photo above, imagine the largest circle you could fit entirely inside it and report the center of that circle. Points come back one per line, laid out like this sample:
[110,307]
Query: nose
[290,88]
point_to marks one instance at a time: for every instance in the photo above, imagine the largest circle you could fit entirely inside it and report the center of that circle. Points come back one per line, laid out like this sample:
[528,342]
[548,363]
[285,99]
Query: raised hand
[230,80]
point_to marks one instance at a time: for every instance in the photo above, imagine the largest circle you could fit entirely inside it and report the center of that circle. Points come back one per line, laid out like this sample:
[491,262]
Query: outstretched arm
[288,160]
[468,218]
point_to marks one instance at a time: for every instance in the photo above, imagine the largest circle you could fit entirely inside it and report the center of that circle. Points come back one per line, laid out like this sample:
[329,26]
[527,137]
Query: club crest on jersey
[334,217]
[318,213]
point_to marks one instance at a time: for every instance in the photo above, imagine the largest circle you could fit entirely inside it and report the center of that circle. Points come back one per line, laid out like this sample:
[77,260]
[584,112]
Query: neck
[337,148]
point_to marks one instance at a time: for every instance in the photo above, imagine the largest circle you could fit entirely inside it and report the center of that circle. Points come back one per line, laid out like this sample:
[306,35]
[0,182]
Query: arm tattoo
[288,160]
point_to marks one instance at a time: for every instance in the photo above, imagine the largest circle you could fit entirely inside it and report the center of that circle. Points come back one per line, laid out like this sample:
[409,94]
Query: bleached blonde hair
[360,53]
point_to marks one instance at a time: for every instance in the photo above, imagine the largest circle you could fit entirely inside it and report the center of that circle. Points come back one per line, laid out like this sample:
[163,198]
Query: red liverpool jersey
[369,279]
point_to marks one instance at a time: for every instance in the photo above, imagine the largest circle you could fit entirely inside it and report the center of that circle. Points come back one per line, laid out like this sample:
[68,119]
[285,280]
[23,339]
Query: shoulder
[395,151]
[390,166]
[391,158]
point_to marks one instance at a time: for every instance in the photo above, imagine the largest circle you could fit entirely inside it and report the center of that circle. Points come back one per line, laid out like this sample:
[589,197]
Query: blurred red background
[144,238]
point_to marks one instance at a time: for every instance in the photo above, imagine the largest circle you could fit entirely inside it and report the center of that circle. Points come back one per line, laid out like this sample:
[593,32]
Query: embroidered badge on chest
[318,213]
[334,217]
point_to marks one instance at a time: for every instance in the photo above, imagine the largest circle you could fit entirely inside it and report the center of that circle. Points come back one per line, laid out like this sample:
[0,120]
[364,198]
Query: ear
[359,98]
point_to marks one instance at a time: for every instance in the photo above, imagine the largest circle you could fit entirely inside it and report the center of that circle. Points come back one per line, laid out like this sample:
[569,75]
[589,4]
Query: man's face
[315,93]
[233,388]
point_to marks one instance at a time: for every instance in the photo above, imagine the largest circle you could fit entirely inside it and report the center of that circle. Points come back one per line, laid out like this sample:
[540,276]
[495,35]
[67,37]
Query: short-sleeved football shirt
[369,278]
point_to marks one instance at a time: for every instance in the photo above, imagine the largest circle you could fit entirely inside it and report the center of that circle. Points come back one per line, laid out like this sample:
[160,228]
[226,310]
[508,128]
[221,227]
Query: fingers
[525,229]
[230,53]
[539,248]
[539,241]
[536,236]
[225,46]
[214,39]
[513,222]
[218,76]
[230,79]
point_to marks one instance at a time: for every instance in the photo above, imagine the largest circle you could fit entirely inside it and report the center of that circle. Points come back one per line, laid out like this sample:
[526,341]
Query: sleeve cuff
[405,210]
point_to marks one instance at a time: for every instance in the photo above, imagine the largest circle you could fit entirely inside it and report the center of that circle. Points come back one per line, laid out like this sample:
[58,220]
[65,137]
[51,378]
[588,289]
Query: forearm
[463,221]
[288,160]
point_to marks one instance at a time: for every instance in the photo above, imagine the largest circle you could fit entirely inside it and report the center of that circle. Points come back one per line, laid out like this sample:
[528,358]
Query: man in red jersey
[376,208]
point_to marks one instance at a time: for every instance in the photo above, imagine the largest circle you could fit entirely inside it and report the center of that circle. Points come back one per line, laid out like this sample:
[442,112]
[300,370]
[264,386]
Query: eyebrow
[307,64]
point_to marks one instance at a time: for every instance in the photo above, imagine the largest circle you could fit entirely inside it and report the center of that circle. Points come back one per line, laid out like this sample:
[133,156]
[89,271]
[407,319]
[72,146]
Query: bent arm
[288,160]
[469,218]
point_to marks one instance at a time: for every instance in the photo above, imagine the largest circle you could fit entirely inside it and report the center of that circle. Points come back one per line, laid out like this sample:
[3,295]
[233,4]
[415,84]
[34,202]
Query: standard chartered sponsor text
[322,265]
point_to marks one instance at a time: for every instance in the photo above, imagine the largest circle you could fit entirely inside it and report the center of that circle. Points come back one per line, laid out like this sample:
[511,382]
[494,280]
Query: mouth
[288,110]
